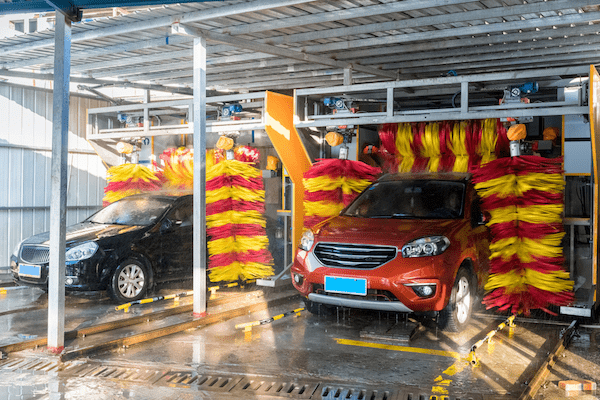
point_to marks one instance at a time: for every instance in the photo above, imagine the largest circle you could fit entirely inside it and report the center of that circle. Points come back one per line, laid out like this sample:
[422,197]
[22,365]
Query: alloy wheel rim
[463,300]
[131,281]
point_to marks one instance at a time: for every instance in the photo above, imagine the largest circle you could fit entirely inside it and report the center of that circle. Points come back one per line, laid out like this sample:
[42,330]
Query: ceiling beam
[277,51]
[258,27]
[348,13]
[435,40]
[486,14]
[67,8]
[476,53]
[465,16]
[126,61]
[508,63]
[79,53]
[143,25]
[405,51]
[589,31]
[91,81]
[441,34]
[39,6]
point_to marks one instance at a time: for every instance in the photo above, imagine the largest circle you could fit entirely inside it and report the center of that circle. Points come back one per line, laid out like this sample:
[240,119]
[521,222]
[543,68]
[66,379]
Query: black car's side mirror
[166,226]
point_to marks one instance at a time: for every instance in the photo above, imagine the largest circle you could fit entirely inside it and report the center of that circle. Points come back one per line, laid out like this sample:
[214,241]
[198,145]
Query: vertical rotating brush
[238,243]
[524,198]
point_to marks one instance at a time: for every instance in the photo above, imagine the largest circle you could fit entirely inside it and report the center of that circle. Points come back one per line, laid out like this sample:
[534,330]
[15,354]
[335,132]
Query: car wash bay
[358,327]
[350,353]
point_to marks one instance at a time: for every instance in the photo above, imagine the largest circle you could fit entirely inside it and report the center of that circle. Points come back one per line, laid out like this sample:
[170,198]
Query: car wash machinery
[567,98]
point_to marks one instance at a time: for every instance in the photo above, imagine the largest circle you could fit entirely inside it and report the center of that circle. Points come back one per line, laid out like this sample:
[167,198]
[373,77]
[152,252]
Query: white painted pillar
[59,170]
[199,119]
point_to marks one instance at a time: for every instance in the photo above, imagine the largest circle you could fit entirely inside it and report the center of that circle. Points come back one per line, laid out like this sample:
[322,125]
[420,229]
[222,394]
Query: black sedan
[124,248]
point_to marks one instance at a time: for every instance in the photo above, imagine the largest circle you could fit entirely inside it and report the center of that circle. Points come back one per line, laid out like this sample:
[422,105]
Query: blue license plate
[32,271]
[336,284]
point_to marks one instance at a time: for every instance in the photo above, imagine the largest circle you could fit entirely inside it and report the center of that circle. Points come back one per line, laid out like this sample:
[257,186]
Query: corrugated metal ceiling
[380,39]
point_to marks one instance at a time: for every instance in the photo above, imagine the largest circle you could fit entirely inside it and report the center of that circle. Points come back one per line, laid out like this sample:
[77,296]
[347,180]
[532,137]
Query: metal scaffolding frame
[295,44]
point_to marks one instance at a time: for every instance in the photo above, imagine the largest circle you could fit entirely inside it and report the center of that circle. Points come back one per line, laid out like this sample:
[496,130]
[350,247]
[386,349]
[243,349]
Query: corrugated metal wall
[25,154]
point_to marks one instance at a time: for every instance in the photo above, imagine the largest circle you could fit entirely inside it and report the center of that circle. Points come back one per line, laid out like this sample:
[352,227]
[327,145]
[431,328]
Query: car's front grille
[345,255]
[35,254]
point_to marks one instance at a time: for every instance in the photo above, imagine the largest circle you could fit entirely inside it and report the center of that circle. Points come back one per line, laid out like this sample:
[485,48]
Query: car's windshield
[132,211]
[435,199]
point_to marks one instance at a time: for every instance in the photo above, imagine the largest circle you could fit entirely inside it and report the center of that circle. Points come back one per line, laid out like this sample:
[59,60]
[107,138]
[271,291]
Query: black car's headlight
[427,246]
[81,252]
[307,240]
[17,249]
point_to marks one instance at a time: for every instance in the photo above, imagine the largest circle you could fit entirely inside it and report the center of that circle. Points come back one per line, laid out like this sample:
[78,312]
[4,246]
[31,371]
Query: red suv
[408,243]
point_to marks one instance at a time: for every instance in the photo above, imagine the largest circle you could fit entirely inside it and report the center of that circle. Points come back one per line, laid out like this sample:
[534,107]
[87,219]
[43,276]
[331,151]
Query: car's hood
[383,231]
[85,231]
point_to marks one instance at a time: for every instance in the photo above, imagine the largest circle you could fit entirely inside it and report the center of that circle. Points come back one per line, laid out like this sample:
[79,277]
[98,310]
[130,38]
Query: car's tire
[129,282]
[317,308]
[457,314]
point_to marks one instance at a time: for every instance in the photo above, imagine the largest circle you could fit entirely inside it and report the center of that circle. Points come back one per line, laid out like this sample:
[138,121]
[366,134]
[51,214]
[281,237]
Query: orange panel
[279,124]
[594,104]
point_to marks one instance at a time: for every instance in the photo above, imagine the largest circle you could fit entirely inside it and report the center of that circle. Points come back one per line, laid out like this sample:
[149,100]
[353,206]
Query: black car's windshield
[132,211]
[436,199]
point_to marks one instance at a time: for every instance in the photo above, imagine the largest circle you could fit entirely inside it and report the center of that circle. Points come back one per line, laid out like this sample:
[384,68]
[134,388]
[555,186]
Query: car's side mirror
[166,226]
[477,216]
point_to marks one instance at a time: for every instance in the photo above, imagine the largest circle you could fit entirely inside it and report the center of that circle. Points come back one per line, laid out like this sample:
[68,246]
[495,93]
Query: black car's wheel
[317,308]
[456,315]
[129,281]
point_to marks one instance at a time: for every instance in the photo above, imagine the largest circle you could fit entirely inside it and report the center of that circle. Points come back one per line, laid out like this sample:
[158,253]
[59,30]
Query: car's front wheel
[129,282]
[457,314]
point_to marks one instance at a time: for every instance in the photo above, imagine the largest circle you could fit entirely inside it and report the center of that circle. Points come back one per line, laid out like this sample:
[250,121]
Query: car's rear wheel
[457,314]
[129,281]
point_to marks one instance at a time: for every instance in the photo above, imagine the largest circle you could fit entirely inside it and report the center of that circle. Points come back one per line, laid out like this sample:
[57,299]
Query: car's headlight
[307,240]
[81,252]
[17,248]
[427,246]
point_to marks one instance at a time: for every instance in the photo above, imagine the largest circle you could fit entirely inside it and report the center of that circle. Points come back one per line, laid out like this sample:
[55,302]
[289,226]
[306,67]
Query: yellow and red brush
[332,184]
[129,179]
[523,196]
[238,243]
[178,169]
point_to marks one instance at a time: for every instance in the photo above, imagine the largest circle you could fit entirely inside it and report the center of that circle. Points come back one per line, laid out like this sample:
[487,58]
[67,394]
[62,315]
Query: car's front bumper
[389,287]
[391,306]
[79,276]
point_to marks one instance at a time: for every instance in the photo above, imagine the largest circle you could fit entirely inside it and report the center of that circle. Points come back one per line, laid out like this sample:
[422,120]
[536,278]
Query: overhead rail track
[464,88]
[251,118]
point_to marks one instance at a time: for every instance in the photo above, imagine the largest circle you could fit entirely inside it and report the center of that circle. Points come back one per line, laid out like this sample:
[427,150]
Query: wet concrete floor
[348,351]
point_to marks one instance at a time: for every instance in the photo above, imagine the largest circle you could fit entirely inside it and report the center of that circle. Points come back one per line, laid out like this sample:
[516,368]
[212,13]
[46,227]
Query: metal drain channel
[235,386]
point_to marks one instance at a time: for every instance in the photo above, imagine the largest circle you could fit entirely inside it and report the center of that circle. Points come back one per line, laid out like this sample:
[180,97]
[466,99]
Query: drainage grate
[344,393]
[207,382]
[238,386]
[263,387]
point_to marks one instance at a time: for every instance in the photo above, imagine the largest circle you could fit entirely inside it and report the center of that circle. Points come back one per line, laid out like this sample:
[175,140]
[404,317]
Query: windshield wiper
[402,215]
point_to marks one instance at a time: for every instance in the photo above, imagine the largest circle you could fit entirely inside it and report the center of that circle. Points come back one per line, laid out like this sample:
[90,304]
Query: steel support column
[199,117]
[59,169]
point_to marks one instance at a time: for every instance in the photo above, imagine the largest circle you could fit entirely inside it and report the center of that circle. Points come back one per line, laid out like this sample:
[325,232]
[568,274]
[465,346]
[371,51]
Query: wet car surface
[125,248]
[408,243]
